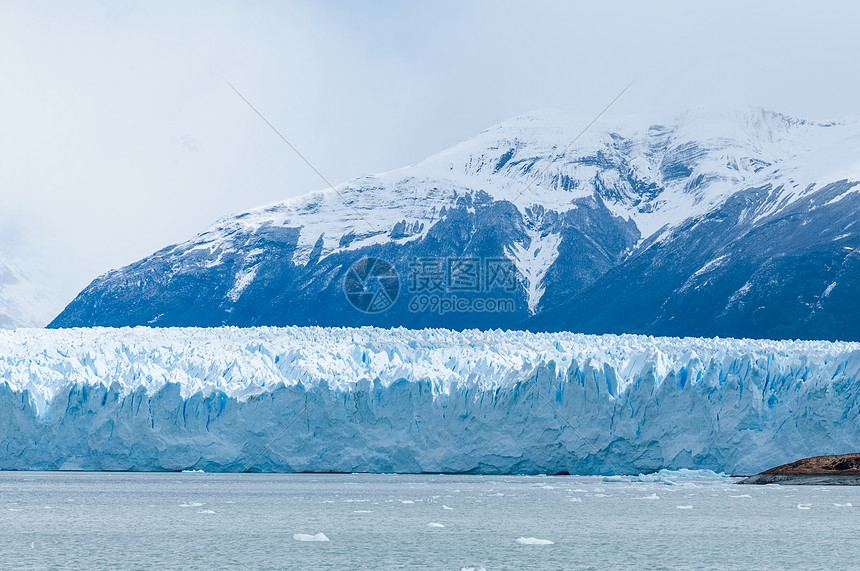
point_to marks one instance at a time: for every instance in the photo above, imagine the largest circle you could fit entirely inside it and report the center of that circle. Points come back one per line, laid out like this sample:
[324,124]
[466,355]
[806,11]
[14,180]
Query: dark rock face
[791,275]
[839,464]
[176,287]
[839,469]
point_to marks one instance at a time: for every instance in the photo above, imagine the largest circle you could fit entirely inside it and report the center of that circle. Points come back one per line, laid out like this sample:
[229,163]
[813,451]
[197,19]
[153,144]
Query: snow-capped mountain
[23,303]
[740,224]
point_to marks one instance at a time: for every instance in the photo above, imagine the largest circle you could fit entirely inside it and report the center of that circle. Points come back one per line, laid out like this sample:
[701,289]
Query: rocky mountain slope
[730,224]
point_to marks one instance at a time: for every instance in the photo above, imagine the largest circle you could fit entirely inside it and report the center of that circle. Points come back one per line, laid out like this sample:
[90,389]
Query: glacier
[313,399]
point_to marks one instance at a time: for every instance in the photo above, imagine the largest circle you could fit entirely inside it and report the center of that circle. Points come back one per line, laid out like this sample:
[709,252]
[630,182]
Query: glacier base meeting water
[431,401]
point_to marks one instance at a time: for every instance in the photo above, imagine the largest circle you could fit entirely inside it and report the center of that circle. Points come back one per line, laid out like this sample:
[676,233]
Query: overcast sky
[118,135]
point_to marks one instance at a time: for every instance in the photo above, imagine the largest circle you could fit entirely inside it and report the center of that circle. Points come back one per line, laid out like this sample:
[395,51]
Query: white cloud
[119,136]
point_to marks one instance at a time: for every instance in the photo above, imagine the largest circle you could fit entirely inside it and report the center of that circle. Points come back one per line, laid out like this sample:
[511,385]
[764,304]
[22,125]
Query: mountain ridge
[566,217]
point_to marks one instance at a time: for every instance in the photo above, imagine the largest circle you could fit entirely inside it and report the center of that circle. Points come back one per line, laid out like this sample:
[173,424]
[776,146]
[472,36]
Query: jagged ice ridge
[419,401]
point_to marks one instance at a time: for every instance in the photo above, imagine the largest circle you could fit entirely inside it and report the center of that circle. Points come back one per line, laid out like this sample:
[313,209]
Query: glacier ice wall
[400,400]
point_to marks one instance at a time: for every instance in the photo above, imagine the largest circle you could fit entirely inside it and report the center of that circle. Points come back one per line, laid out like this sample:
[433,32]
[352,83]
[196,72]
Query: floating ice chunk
[193,472]
[206,511]
[190,505]
[575,499]
[436,525]
[444,507]
[32,545]
[651,497]
[407,502]
[533,541]
[846,505]
[741,496]
[362,511]
[684,507]
[308,537]
[668,477]
[473,569]
[804,506]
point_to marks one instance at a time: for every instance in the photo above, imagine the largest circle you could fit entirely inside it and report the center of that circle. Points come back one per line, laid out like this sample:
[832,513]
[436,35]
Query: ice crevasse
[397,400]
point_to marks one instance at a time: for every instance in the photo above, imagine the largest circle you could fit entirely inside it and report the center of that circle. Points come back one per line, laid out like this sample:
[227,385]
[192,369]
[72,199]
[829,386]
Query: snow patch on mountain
[533,259]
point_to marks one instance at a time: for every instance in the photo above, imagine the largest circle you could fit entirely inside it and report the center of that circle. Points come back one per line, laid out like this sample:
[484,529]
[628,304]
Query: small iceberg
[436,525]
[684,507]
[804,506]
[533,541]
[667,477]
[308,537]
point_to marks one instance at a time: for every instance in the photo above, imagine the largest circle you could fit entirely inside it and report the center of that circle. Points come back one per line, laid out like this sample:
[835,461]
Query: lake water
[209,521]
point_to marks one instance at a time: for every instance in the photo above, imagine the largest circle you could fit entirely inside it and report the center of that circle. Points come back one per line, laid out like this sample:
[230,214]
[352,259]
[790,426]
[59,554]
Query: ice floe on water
[669,477]
[533,541]
[308,537]
[845,505]
[684,507]
[435,525]
[804,506]
[190,505]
